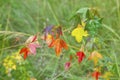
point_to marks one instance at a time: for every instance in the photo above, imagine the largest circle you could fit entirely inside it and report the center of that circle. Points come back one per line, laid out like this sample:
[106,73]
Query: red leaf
[71,57]
[25,51]
[80,55]
[67,65]
[34,38]
[25,55]
[96,74]
[52,43]
[64,45]
[58,48]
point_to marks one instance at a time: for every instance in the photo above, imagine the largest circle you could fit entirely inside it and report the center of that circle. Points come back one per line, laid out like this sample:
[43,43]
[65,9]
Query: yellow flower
[9,63]
[79,32]
[18,57]
[14,67]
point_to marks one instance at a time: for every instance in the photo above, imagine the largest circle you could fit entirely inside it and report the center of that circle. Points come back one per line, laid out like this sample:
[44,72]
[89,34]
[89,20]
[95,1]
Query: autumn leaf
[96,74]
[67,65]
[31,39]
[30,47]
[58,44]
[55,31]
[79,33]
[80,56]
[71,57]
[25,51]
[48,39]
[95,56]
[59,30]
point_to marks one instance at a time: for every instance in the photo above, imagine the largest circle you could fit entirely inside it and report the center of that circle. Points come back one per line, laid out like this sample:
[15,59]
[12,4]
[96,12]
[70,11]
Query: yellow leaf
[95,56]
[79,32]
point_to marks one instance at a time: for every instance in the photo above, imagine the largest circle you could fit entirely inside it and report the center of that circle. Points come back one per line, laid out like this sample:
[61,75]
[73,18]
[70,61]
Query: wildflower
[79,32]
[17,57]
[9,64]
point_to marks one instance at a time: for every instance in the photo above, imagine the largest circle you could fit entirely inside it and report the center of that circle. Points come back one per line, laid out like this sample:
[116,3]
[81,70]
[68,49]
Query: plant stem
[6,28]
[11,32]
[117,66]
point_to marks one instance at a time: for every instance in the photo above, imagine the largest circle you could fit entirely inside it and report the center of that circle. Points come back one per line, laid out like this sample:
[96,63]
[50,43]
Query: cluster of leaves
[92,19]
[88,24]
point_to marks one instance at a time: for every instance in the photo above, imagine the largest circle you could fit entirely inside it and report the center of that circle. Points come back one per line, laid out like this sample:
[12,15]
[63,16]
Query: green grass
[22,18]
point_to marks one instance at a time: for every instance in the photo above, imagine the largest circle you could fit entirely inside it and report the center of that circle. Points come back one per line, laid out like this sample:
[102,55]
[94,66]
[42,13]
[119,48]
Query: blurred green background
[21,18]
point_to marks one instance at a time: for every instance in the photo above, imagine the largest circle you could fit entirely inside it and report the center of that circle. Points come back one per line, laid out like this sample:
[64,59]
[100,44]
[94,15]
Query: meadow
[99,43]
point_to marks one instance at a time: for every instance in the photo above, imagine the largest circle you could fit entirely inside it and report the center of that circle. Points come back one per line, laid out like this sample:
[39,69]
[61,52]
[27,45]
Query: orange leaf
[58,44]
[58,48]
[25,51]
[96,75]
[52,43]
[64,44]
[71,57]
